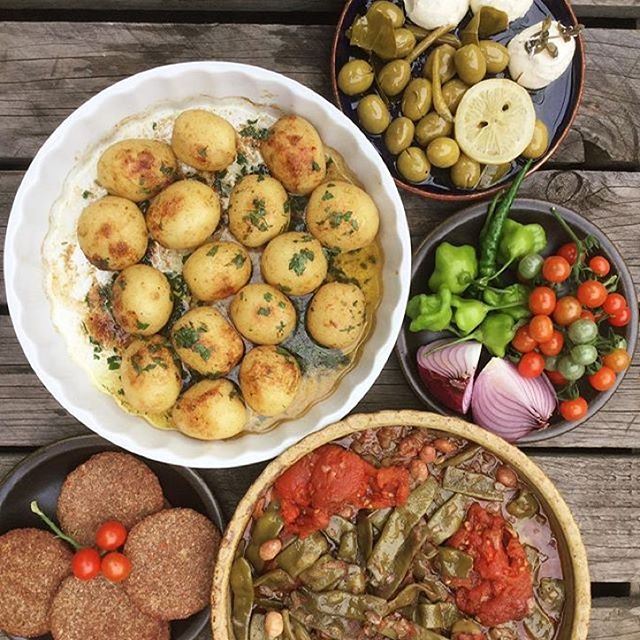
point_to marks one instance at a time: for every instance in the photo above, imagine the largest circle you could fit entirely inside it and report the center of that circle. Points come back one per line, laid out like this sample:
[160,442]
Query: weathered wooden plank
[51,68]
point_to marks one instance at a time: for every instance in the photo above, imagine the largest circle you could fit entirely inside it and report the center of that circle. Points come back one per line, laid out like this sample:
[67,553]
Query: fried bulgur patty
[33,563]
[173,554]
[108,486]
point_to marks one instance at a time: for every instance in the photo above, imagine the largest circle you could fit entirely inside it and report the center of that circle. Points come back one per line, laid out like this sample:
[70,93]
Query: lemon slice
[495,121]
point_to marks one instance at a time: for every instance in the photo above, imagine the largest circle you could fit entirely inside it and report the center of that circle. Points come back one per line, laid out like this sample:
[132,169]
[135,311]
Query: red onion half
[448,372]
[510,405]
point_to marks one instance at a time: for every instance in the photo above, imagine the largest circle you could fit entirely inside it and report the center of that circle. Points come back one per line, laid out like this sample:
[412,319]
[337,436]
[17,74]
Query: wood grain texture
[51,68]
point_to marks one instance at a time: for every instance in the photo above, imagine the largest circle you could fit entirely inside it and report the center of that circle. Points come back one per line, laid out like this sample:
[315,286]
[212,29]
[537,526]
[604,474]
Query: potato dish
[215,268]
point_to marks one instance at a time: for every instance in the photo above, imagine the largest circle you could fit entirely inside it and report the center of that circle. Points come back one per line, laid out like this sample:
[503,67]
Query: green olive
[470,64]
[394,77]
[416,99]
[496,56]
[405,42]
[432,126]
[443,152]
[465,174]
[373,114]
[452,93]
[399,135]
[389,10]
[447,63]
[413,165]
[539,143]
[355,77]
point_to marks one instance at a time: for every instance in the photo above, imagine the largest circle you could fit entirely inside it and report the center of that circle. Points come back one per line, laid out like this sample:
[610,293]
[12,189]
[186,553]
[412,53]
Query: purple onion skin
[447,391]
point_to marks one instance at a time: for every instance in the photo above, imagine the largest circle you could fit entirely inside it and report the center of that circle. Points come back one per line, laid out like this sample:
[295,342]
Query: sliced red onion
[510,405]
[448,372]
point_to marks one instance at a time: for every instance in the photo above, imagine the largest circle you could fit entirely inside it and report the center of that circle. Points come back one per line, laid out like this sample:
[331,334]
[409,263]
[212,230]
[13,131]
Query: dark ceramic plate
[464,228]
[40,477]
[556,105]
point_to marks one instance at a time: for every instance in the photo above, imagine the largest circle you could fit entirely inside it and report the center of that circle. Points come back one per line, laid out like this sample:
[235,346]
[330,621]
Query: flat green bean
[324,573]
[539,625]
[266,527]
[395,625]
[302,554]
[441,615]
[471,484]
[241,582]
[256,627]
[348,549]
[454,563]
[274,583]
[347,605]
[338,527]
[447,519]
[364,528]
[466,454]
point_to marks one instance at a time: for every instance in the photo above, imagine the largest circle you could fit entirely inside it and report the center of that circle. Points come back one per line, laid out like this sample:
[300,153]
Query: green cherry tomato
[551,363]
[619,342]
[584,354]
[569,369]
[583,331]
[530,266]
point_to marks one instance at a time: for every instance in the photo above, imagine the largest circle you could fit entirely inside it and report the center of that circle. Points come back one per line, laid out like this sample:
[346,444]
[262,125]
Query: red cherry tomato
[111,535]
[614,303]
[556,269]
[603,379]
[553,346]
[569,252]
[574,409]
[618,360]
[522,341]
[116,566]
[587,315]
[542,301]
[85,564]
[599,265]
[541,328]
[592,293]
[568,310]
[620,319]
[531,365]
[556,378]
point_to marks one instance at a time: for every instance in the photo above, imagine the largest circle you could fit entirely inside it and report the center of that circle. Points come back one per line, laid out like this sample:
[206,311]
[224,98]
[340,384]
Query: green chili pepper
[430,312]
[468,313]
[518,240]
[456,267]
[472,484]
[241,582]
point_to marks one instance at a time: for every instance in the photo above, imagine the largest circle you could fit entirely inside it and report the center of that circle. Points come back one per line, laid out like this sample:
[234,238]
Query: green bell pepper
[518,240]
[513,300]
[456,268]
[430,312]
[468,313]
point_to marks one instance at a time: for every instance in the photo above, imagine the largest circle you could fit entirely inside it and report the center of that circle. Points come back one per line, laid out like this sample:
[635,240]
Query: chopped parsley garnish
[188,337]
[268,296]
[202,152]
[327,195]
[336,218]
[257,216]
[241,158]
[238,260]
[251,131]
[315,166]
[298,262]
[167,171]
[212,252]
[280,328]
[114,362]
[264,311]
[141,326]
[86,194]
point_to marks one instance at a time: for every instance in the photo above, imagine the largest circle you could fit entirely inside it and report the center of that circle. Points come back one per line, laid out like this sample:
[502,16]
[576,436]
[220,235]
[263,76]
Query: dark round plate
[40,477]
[464,228]
[557,104]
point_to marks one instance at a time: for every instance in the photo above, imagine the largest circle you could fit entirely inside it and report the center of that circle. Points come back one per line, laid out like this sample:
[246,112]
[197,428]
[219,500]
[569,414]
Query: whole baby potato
[142,301]
[210,410]
[294,154]
[263,314]
[137,169]
[337,314]
[151,381]
[184,215]
[217,270]
[294,263]
[204,140]
[206,342]
[258,210]
[269,379]
[112,233]
[342,216]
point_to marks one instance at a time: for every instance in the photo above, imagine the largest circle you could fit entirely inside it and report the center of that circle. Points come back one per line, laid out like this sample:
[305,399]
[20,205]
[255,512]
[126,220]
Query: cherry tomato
[568,310]
[111,535]
[542,301]
[599,265]
[85,564]
[541,328]
[614,303]
[587,315]
[553,346]
[531,365]
[116,566]
[569,252]
[522,341]
[556,378]
[556,269]
[620,319]
[574,409]
[618,360]
[592,293]
[604,378]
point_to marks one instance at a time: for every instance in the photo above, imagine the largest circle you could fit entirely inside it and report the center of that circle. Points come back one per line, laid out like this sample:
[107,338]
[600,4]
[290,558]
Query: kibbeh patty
[108,486]
[33,563]
[99,610]
[173,555]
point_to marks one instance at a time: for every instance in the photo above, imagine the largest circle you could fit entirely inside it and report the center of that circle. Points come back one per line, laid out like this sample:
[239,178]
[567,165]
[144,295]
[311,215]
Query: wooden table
[55,55]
